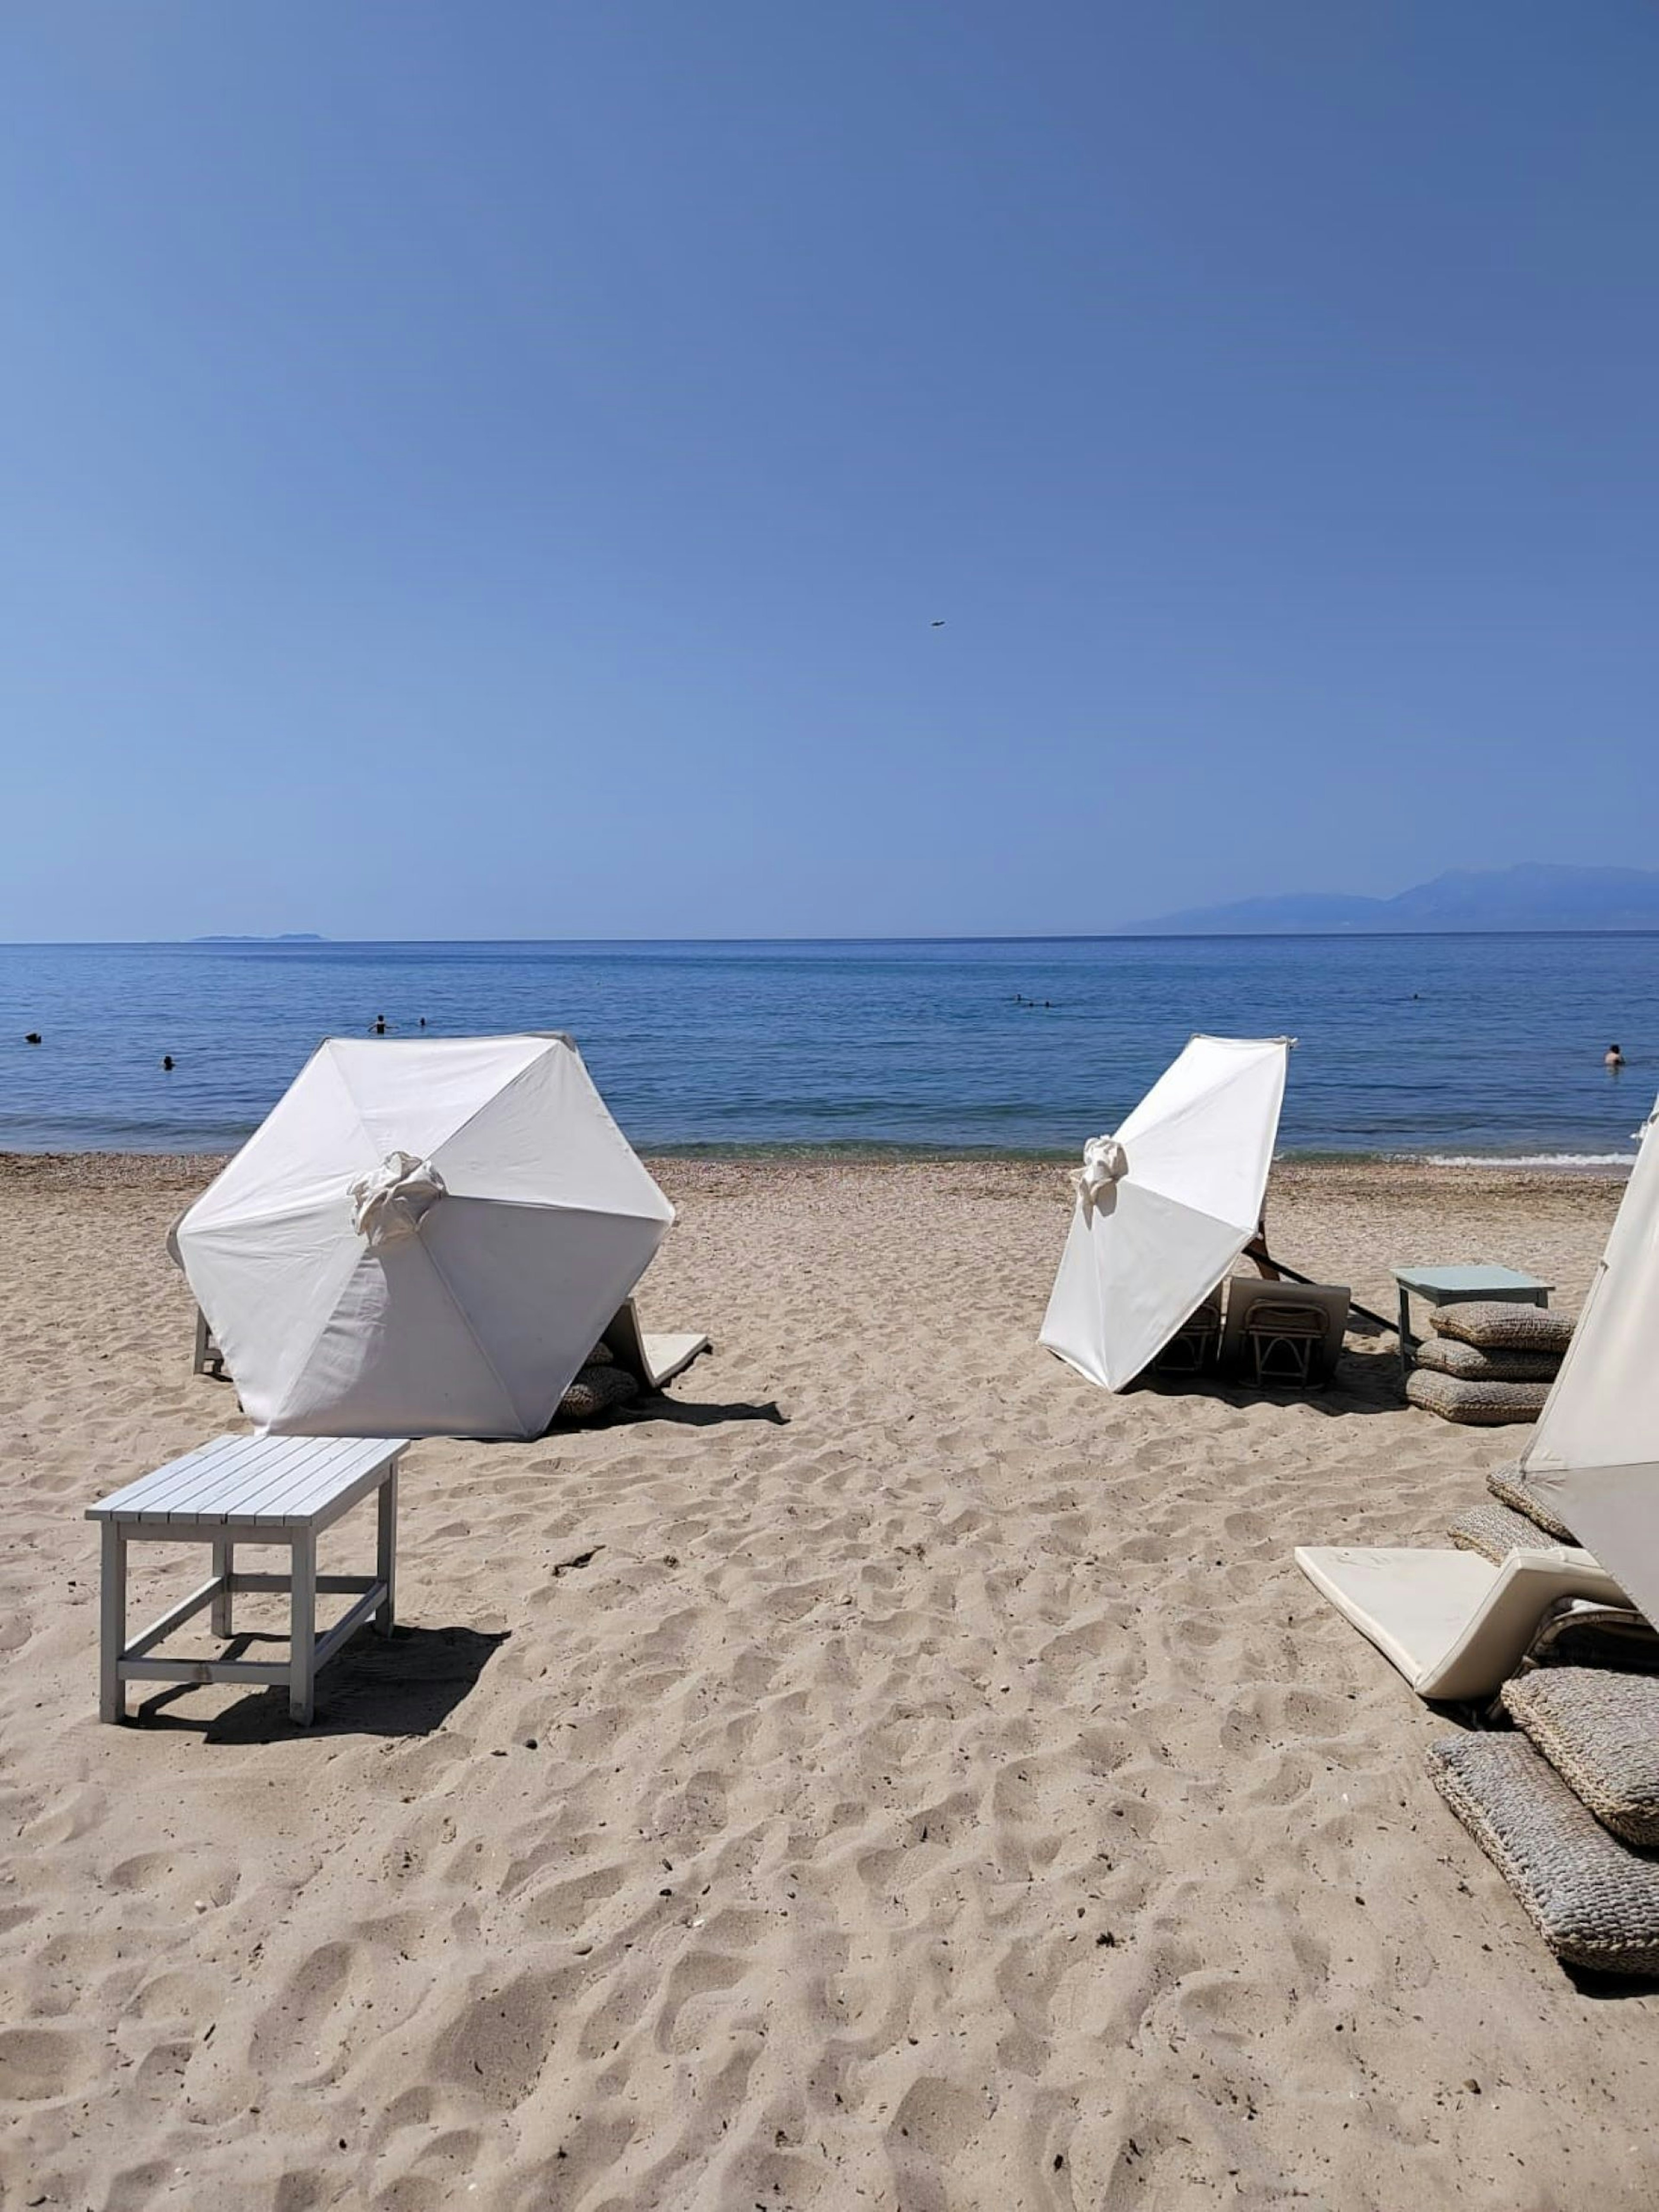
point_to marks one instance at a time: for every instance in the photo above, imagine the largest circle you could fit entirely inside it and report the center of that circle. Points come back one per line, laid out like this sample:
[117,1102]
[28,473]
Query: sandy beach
[887,1772]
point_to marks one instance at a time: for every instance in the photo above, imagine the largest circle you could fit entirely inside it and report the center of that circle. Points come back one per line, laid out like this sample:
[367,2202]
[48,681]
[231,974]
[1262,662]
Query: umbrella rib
[606,1116]
[431,1258]
[450,1136]
[547,1205]
[292,1374]
[264,1220]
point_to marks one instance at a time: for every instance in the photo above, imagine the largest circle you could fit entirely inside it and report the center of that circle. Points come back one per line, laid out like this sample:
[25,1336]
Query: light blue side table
[1451,1286]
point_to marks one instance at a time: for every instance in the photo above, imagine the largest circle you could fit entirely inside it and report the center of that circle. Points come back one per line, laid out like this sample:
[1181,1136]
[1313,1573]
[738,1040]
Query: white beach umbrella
[1594,1456]
[1165,1205]
[422,1238]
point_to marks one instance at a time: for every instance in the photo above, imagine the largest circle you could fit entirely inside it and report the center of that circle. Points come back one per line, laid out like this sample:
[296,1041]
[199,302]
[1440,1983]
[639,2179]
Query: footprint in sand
[38,2062]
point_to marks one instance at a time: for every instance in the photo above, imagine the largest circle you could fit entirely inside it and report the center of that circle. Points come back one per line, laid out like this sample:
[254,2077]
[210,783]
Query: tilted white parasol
[1165,1205]
[422,1238]
[1595,1453]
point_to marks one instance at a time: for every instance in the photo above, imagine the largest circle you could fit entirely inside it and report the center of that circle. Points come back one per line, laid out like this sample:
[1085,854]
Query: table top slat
[193,1488]
[1494,1282]
[247,1487]
[150,1492]
[307,1500]
[321,1478]
[280,1479]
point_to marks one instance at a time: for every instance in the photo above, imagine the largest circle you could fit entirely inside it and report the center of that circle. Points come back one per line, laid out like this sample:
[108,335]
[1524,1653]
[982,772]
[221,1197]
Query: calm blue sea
[1449,1046]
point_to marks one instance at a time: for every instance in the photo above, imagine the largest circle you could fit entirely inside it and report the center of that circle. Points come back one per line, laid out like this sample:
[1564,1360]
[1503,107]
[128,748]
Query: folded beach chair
[1455,1625]
[1284,1333]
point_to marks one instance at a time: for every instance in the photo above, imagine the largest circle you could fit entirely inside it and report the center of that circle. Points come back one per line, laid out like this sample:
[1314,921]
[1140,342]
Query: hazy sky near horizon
[495,470]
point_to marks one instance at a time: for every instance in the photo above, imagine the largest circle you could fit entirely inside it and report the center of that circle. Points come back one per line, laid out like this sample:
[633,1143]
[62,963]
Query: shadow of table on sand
[406,1684]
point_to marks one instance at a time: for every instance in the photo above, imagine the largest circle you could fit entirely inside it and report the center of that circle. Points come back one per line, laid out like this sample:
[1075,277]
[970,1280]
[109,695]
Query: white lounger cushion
[669,1355]
[655,1359]
[1454,1624]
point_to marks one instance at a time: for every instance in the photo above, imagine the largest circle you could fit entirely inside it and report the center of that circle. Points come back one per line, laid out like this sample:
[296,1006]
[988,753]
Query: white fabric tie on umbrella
[1595,1453]
[389,1203]
[1105,1162]
[1165,1205]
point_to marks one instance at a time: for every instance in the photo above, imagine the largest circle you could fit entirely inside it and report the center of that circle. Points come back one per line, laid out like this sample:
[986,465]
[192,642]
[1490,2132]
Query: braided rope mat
[1477,1405]
[1449,1355]
[595,1391]
[1510,1487]
[1600,1731]
[1593,1900]
[1494,1531]
[1492,1325]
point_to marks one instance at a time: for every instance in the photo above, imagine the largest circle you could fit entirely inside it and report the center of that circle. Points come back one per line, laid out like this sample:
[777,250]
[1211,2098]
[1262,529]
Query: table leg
[386,1553]
[224,1565]
[112,1623]
[1405,1330]
[302,1628]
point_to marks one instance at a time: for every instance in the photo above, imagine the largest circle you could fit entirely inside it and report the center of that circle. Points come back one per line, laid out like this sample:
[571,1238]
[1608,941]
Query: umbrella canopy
[422,1238]
[1165,1205]
[1595,1453]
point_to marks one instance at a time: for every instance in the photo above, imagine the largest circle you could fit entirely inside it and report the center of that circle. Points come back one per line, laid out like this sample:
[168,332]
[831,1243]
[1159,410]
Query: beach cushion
[1480,1404]
[1594,1900]
[596,1390]
[1494,1531]
[1449,1355]
[1600,1731]
[1510,1487]
[1494,1326]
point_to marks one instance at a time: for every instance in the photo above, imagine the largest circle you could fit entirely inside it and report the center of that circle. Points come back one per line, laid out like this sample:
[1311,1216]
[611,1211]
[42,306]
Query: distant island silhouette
[282,937]
[1531,897]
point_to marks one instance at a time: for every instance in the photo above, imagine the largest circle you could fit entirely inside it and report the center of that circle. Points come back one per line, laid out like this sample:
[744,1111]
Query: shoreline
[1414,1168]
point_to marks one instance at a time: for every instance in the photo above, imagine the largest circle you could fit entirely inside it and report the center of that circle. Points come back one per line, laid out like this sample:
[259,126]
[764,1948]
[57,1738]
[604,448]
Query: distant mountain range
[1531,896]
[282,937]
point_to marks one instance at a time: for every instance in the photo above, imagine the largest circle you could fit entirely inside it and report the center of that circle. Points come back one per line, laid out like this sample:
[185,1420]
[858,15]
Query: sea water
[1450,1047]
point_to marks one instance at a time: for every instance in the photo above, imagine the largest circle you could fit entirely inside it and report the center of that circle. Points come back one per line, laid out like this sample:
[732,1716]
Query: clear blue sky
[491,467]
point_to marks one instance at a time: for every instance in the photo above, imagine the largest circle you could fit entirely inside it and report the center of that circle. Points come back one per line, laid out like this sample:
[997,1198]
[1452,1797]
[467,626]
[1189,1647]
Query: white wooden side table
[248,1490]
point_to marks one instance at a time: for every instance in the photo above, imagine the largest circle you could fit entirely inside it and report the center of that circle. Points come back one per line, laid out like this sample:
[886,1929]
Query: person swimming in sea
[379,1024]
[1613,1057]
[166,1061]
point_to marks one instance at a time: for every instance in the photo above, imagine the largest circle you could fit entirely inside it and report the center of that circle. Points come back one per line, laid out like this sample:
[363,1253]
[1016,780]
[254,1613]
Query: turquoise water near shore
[1450,1047]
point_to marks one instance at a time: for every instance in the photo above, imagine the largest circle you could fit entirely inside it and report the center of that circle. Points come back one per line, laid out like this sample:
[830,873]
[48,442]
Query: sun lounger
[1455,1625]
[1284,1333]
[655,1359]
[1193,1347]
[206,1359]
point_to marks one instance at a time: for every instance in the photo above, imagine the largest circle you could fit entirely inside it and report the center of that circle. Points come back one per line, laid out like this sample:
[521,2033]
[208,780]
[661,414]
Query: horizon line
[308,941]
